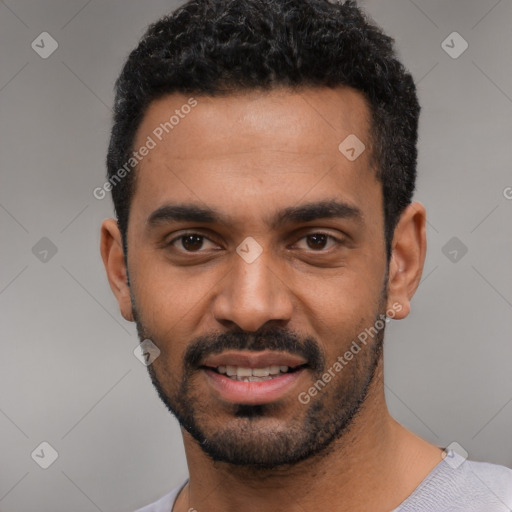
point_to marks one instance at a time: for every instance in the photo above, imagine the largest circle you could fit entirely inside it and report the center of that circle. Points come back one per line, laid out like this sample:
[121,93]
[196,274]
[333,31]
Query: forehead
[255,150]
[305,120]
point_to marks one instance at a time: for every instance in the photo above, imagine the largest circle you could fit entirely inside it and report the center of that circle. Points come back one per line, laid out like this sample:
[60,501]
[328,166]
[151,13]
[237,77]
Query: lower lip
[252,393]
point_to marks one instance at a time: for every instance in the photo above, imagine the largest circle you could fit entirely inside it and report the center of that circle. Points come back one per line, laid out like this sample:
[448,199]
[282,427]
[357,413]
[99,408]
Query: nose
[253,294]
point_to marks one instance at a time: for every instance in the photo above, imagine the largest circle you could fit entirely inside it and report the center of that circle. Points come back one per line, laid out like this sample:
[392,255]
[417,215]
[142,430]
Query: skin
[249,155]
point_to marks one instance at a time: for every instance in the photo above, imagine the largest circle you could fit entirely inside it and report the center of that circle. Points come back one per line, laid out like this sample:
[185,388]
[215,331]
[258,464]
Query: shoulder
[490,478]
[459,485]
[165,503]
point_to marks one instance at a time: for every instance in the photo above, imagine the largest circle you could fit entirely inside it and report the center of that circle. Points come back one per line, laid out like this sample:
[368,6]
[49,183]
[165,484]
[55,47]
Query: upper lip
[246,359]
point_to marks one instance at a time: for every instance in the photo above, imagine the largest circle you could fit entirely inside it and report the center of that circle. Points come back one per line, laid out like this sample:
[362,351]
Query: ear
[111,247]
[409,247]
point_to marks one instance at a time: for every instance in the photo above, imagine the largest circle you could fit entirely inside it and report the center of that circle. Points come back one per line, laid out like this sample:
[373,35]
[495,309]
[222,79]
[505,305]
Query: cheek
[349,295]
[341,308]
[159,310]
[165,294]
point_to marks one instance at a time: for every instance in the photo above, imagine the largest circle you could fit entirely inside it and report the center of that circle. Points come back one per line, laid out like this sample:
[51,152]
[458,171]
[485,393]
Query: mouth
[245,374]
[253,378]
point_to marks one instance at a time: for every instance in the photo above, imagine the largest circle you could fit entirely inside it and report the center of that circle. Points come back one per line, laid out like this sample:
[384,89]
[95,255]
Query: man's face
[305,284]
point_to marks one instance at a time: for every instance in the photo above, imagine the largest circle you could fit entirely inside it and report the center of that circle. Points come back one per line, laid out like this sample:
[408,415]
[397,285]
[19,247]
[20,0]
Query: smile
[239,373]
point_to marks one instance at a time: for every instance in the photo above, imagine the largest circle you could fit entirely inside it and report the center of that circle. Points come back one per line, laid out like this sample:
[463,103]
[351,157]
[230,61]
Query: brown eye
[192,242]
[317,241]
[320,242]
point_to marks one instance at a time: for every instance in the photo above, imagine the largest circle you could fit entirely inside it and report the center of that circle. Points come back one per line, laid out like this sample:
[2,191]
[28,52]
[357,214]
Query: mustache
[282,340]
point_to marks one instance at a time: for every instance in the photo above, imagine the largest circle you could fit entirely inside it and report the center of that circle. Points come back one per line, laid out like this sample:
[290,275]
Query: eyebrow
[327,209]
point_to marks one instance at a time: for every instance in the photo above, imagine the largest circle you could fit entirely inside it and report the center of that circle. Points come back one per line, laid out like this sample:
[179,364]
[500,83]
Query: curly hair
[214,47]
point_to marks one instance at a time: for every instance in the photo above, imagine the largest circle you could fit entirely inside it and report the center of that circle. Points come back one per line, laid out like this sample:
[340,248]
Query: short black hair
[212,47]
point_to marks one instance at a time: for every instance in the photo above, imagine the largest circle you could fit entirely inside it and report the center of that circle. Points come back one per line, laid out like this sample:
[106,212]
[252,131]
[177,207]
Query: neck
[375,465]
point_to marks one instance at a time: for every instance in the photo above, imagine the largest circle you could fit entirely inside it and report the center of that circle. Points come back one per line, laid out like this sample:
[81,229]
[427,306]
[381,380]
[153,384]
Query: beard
[273,434]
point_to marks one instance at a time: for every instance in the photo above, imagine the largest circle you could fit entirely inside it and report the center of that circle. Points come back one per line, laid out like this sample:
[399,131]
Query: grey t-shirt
[454,485]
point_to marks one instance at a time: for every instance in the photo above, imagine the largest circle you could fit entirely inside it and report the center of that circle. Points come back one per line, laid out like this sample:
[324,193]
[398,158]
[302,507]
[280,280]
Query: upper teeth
[240,371]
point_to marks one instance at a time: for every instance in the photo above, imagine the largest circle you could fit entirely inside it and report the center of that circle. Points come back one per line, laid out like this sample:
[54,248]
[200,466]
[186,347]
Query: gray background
[68,374]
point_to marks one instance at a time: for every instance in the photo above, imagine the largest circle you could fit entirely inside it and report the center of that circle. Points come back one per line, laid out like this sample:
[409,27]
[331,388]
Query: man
[262,165]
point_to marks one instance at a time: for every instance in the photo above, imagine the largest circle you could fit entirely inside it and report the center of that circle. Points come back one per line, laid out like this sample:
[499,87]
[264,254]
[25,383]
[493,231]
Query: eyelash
[337,241]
